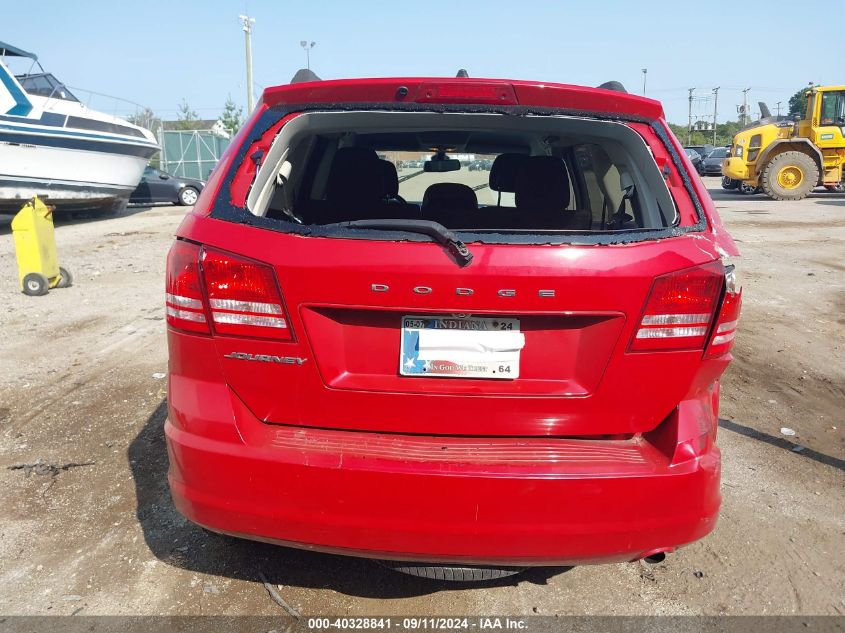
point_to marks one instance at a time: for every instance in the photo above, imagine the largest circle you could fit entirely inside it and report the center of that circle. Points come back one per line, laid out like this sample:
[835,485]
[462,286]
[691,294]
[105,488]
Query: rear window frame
[222,207]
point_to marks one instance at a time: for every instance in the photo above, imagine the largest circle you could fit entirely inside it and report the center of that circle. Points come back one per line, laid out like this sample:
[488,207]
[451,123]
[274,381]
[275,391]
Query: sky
[158,53]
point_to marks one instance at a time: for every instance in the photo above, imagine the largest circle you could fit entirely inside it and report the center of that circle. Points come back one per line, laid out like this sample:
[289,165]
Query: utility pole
[689,124]
[777,105]
[304,44]
[715,111]
[645,74]
[246,23]
[744,105]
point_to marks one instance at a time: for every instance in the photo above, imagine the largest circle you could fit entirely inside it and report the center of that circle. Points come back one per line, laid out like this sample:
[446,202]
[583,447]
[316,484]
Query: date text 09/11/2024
[419,623]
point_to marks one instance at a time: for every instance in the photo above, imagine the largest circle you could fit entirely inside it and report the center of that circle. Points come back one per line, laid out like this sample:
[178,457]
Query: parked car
[695,158]
[703,150]
[480,165]
[458,390]
[712,165]
[159,186]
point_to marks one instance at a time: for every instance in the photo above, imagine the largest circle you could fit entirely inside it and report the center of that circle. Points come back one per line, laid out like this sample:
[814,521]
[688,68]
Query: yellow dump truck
[787,159]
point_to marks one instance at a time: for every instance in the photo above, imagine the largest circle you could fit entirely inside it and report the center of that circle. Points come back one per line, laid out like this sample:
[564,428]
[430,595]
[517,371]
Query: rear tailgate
[577,307]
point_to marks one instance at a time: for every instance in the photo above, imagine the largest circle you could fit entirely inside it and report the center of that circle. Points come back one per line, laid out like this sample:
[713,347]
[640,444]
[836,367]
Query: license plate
[460,347]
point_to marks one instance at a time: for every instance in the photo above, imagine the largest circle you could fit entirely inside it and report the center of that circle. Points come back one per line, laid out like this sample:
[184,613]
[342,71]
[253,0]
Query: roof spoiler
[613,85]
[304,74]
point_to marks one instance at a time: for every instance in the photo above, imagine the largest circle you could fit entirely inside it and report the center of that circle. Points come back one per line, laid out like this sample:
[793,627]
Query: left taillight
[183,293]
[241,296]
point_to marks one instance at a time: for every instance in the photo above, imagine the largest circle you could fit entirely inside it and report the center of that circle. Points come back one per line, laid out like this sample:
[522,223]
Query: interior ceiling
[477,142]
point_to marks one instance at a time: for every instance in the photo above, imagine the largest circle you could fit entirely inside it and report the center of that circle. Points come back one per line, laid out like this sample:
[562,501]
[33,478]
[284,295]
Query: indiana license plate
[460,347]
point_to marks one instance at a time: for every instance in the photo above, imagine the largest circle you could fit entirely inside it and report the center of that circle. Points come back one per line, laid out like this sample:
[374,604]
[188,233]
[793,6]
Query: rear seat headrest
[449,196]
[504,171]
[355,176]
[391,178]
[542,185]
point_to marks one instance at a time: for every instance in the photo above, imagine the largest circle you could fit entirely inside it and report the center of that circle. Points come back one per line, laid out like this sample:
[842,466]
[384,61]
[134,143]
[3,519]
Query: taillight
[183,295]
[680,309]
[243,297]
[724,331]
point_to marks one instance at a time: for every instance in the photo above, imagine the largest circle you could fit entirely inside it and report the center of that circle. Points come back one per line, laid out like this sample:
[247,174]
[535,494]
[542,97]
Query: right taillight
[724,331]
[679,309]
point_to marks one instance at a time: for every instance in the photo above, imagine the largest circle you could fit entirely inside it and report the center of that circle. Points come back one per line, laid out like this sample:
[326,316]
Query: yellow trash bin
[35,247]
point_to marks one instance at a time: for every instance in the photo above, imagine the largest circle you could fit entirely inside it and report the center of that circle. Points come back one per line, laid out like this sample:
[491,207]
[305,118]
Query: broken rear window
[468,172]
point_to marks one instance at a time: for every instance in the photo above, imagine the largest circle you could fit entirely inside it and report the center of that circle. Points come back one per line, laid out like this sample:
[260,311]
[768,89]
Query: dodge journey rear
[460,326]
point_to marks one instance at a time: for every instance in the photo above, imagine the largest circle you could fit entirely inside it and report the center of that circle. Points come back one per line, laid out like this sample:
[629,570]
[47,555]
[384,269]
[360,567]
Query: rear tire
[467,573]
[729,183]
[188,196]
[789,176]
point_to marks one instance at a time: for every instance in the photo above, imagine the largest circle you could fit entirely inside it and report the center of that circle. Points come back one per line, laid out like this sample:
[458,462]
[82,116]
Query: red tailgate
[577,377]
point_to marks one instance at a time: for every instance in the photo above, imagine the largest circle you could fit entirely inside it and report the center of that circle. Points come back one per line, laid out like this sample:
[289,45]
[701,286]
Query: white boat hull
[55,147]
[67,177]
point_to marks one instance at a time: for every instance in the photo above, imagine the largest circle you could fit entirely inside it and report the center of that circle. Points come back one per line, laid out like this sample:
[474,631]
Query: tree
[232,117]
[798,103]
[145,118]
[724,134]
[186,117]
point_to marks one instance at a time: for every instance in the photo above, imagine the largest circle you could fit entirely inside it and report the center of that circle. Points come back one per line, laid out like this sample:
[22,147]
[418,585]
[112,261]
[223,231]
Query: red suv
[377,351]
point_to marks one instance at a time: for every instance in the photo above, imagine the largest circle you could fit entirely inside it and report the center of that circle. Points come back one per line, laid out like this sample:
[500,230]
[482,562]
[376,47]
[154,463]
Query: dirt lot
[81,381]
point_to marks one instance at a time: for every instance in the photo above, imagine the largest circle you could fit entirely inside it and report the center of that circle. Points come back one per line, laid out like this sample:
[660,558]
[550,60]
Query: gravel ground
[82,387]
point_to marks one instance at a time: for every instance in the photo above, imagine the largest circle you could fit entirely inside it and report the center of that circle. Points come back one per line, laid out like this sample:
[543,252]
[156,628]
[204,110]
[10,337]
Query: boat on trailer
[54,146]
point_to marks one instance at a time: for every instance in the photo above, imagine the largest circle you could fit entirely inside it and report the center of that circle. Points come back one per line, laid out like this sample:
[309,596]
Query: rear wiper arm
[434,230]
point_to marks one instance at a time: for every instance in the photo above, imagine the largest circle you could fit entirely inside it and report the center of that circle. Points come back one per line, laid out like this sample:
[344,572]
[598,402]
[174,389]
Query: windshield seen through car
[474,172]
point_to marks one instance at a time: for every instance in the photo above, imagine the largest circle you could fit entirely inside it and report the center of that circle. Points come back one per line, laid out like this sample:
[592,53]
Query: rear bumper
[499,501]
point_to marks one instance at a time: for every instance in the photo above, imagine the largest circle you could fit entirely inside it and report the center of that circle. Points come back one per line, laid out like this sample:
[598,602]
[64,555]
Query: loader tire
[789,176]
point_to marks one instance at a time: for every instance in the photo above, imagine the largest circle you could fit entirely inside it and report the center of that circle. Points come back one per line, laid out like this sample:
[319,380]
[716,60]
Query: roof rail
[304,74]
[613,85]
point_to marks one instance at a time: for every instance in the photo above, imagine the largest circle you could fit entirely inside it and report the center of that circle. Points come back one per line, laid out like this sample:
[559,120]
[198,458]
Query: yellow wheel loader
[787,159]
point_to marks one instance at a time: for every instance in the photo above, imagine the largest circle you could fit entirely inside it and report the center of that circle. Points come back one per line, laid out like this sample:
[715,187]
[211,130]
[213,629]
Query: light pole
[715,111]
[777,105]
[246,23]
[307,46]
[645,74]
[689,124]
[745,105]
